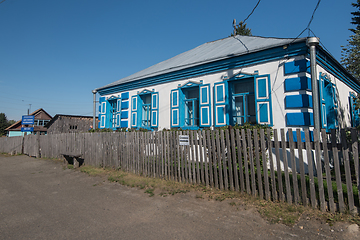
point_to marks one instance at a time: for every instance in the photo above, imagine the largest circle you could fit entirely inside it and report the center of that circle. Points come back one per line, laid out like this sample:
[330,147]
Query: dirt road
[41,200]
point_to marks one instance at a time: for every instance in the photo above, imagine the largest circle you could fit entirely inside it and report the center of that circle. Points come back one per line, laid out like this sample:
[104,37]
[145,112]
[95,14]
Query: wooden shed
[70,124]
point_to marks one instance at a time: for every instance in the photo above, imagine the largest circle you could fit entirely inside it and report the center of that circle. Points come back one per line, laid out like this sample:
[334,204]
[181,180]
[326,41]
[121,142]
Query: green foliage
[4,123]
[356,17]
[350,55]
[101,130]
[241,29]
[150,191]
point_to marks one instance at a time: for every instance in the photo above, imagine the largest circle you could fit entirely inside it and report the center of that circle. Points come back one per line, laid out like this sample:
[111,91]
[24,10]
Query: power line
[252,11]
[308,26]
[2,1]
[312,16]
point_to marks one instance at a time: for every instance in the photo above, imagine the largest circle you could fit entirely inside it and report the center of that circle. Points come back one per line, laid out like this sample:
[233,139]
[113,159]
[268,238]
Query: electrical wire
[252,11]
[312,16]
[2,1]
[308,26]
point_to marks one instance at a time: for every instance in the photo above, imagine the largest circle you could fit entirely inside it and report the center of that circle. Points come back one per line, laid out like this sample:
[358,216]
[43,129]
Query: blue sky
[53,53]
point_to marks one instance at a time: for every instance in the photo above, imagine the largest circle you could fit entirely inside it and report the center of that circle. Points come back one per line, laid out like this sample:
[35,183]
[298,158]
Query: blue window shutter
[263,100]
[205,105]
[328,103]
[354,113]
[175,108]
[220,103]
[124,104]
[124,124]
[134,108]
[124,114]
[154,110]
[118,119]
[102,112]
[125,95]
[118,105]
[322,102]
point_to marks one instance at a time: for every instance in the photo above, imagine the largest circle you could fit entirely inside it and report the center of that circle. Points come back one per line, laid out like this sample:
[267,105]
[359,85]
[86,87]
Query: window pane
[146,107]
[238,114]
[192,93]
[191,106]
[251,105]
[243,86]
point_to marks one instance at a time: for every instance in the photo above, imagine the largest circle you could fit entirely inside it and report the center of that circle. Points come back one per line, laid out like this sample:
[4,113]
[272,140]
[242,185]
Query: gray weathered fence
[323,173]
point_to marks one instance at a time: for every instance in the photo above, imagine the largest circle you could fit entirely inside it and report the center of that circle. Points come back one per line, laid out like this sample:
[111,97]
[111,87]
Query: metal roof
[208,52]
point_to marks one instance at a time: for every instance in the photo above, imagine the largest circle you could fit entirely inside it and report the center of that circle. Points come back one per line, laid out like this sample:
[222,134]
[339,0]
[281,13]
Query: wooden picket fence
[323,173]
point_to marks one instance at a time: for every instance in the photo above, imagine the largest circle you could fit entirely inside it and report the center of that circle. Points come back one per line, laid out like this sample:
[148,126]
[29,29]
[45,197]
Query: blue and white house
[233,81]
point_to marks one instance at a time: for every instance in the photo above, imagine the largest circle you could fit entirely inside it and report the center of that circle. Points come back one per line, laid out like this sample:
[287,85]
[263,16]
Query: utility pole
[312,42]
[234,25]
[29,109]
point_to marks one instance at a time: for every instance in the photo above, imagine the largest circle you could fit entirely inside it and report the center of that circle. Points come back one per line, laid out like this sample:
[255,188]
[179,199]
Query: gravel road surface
[41,200]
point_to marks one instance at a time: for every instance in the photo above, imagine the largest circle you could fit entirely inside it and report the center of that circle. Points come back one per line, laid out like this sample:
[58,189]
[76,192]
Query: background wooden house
[41,119]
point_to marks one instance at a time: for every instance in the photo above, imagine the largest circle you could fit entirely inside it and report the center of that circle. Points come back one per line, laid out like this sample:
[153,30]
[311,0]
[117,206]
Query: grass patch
[150,191]
[280,212]
[274,212]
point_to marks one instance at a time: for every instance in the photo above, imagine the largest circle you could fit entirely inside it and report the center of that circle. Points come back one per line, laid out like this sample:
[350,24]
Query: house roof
[18,123]
[209,52]
[67,116]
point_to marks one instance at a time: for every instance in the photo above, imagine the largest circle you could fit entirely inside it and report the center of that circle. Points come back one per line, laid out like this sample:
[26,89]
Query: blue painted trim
[297,66]
[299,119]
[124,104]
[144,92]
[124,124]
[302,135]
[124,114]
[298,83]
[264,56]
[125,95]
[298,101]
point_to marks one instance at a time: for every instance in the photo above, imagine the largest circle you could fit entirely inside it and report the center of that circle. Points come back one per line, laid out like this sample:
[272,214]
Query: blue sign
[27,120]
[27,129]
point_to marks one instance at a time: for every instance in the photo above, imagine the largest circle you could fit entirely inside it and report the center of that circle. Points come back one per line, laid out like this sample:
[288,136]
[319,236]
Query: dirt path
[40,200]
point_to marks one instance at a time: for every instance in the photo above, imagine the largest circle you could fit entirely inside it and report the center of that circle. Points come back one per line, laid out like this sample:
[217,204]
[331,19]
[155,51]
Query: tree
[4,123]
[241,29]
[356,16]
[350,53]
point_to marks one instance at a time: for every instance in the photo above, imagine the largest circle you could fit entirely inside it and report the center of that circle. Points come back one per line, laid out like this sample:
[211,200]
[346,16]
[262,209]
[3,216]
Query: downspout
[94,109]
[312,42]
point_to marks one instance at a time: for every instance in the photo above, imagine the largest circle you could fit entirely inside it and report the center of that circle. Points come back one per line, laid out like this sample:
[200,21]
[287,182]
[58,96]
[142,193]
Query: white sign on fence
[183,139]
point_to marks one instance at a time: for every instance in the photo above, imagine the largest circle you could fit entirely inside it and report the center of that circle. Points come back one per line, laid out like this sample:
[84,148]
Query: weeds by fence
[323,173]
